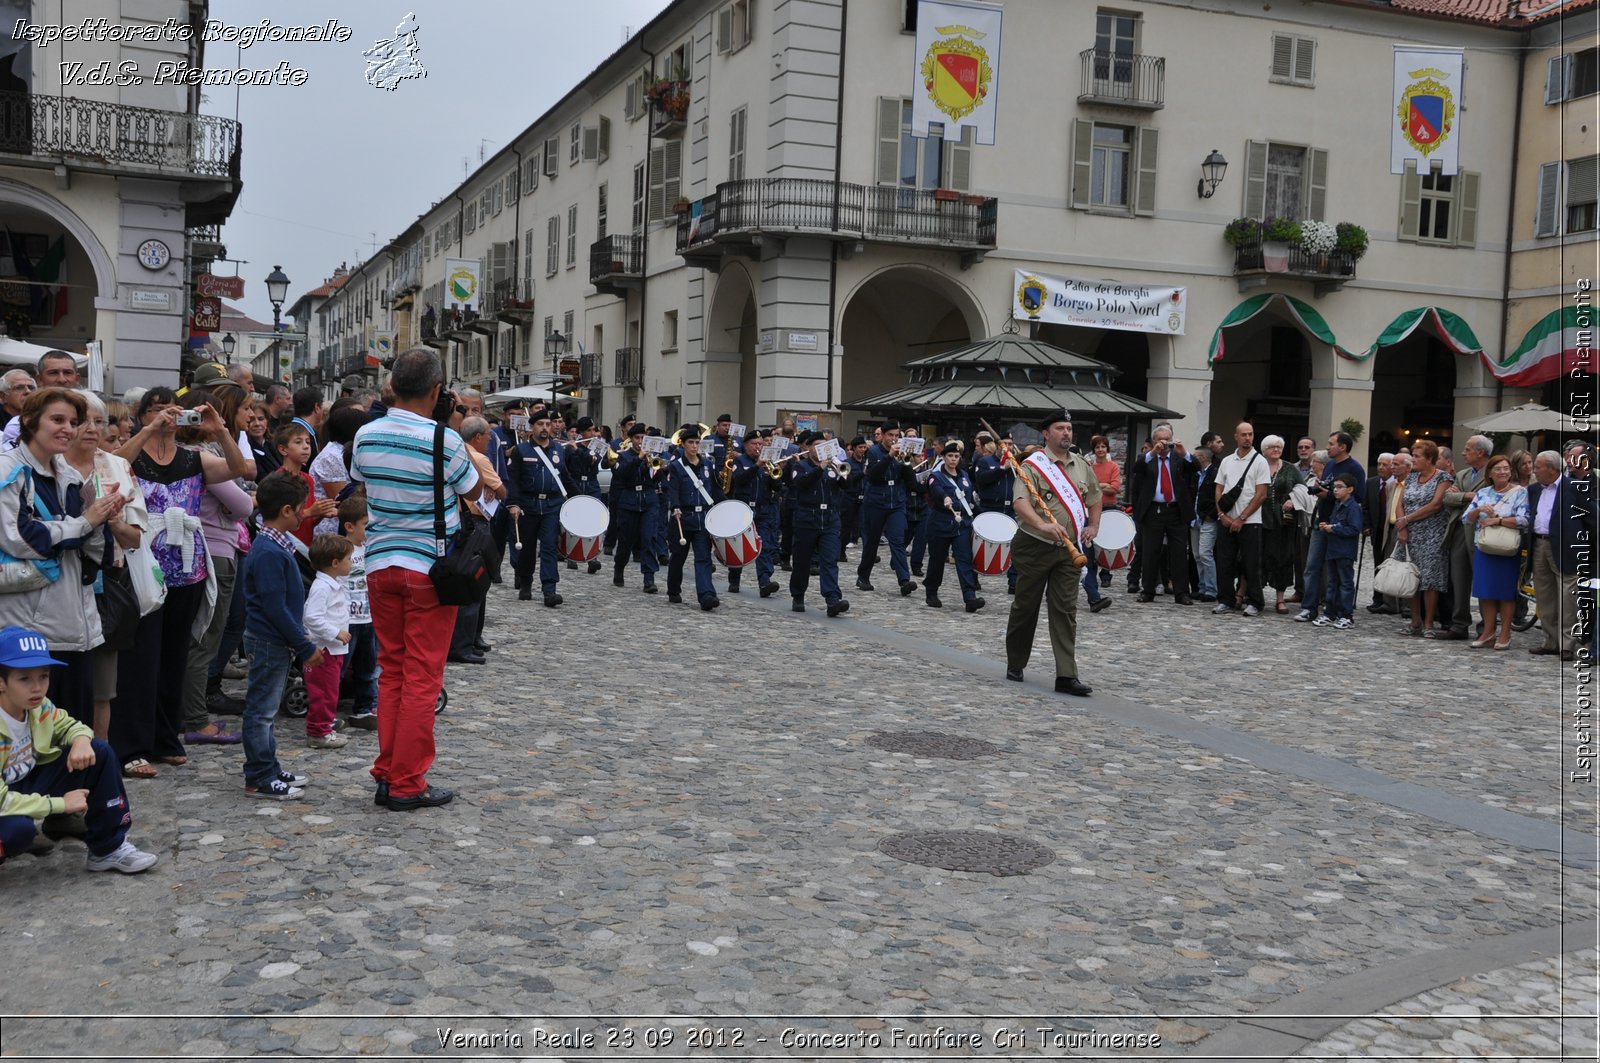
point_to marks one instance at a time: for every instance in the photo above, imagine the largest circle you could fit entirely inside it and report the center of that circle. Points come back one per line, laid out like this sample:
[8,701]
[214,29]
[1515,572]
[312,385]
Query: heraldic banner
[1423,126]
[958,68]
[462,279]
[1099,304]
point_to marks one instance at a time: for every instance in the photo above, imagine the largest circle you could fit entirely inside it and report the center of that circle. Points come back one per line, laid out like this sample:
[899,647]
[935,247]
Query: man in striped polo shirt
[394,457]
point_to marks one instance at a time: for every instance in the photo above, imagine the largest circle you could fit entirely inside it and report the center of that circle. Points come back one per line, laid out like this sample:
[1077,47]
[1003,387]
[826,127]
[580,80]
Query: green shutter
[1316,204]
[958,161]
[1410,201]
[1255,178]
[1548,221]
[1466,209]
[1144,193]
[1082,163]
[888,140]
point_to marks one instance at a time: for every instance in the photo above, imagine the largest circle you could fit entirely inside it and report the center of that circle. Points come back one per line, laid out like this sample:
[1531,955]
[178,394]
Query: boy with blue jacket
[1343,528]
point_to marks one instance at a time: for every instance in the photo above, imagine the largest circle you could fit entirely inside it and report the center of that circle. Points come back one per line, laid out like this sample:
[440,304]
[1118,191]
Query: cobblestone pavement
[668,812]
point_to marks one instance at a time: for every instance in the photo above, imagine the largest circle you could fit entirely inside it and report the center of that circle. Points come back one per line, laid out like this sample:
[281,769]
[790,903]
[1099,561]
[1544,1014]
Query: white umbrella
[527,394]
[1526,419]
[16,352]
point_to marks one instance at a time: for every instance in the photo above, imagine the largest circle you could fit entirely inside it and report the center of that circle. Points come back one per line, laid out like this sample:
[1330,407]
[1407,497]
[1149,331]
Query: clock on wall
[153,254]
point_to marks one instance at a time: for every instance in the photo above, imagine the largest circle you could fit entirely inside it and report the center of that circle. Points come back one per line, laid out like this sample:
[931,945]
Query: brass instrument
[727,472]
[677,437]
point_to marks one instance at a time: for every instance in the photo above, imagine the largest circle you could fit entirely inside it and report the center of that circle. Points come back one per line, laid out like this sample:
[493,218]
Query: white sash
[537,449]
[1065,489]
[955,486]
[698,486]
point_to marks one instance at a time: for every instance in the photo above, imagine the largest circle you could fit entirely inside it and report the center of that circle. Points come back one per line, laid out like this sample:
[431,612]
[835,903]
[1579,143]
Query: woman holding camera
[1421,526]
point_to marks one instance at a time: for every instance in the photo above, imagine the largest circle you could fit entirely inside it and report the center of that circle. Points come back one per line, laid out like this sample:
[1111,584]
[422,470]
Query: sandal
[1282,607]
[139,768]
[1412,629]
[212,734]
[175,761]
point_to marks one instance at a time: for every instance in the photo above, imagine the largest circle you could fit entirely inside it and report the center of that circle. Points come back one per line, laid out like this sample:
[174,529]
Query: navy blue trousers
[633,539]
[816,535]
[880,523]
[539,531]
[107,816]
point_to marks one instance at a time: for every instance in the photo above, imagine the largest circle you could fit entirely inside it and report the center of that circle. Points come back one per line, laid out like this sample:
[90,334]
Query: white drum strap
[698,486]
[537,449]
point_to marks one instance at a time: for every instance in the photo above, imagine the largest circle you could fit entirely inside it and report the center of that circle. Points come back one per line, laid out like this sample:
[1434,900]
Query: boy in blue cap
[37,781]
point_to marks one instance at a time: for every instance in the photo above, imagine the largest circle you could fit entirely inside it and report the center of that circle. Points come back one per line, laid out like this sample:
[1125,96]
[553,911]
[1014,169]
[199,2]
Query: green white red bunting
[1561,342]
[1446,327]
[1302,313]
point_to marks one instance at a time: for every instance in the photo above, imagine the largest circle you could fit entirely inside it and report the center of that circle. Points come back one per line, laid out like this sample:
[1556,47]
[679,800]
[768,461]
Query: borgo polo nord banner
[958,69]
[1099,304]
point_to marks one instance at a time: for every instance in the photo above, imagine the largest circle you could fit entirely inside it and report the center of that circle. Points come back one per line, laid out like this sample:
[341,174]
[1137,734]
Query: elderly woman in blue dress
[1501,502]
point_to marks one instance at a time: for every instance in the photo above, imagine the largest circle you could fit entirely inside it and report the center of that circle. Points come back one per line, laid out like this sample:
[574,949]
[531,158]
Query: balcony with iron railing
[629,367]
[616,262]
[1122,79]
[590,372]
[739,211]
[1255,261]
[669,106]
[510,299]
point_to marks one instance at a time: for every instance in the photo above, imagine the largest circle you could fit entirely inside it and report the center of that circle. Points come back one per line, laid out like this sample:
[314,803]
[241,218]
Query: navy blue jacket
[583,470]
[633,483]
[813,487]
[941,521]
[884,477]
[682,494]
[1573,522]
[527,479]
[750,483]
[1346,519]
[275,597]
[994,480]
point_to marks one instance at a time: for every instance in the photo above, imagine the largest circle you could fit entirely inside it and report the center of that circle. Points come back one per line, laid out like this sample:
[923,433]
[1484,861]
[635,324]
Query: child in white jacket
[327,623]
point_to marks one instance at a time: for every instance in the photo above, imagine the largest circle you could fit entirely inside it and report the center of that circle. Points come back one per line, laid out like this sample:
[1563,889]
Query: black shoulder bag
[1231,495]
[461,574]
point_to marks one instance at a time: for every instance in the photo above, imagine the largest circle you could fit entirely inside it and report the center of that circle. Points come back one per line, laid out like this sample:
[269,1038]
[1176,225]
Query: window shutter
[1305,51]
[725,29]
[552,248]
[656,208]
[1282,56]
[672,178]
[552,156]
[591,143]
[888,140]
[1466,209]
[958,160]
[533,177]
[1557,78]
[632,98]
[1144,193]
[1410,202]
[1583,181]
[1548,221]
[1316,184]
[605,138]
[1082,162]
[1255,178]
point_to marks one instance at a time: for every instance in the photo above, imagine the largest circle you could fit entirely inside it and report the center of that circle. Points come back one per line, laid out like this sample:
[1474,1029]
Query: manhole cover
[932,744]
[968,850]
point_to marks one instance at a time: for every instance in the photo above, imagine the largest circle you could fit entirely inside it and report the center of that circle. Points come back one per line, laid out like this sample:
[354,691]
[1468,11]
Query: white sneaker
[327,741]
[1344,623]
[1251,610]
[1321,621]
[1220,608]
[124,858]
[1303,616]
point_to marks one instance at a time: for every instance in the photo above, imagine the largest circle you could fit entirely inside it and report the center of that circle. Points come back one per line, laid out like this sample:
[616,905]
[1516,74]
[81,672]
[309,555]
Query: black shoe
[663,560]
[1147,596]
[1068,684]
[916,571]
[552,600]
[1011,589]
[467,658]
[785,566]
[1205,597]
[934,603]
[616,581]
[649,588]
[974,604]
[837,606]
[496,579]
[769,589]
[220,704]
[430,797]
[1014,674]
[573,565]
[525,595]
[610,550]
[907,587]
[863,584]
[733,588]
[675,599]
[1101,606]
[594,566]
[799,605]
[363,721]
[816,569]
[1105,578]
[710,604]
[1183,599]
[1132,589]
[382,796]
[482,647]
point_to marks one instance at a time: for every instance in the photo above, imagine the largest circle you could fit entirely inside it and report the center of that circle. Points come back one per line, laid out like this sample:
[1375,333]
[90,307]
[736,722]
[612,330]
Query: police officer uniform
[611,495]
[952,503]
[855,487]
[539,484]
[691,490]
[816,493]
[884,515]
[751,484]
[633,485]
[501,442]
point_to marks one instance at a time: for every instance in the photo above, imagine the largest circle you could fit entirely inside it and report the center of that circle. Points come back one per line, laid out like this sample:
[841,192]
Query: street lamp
[228,344]
[1211,171]
[277,291]
[554,345]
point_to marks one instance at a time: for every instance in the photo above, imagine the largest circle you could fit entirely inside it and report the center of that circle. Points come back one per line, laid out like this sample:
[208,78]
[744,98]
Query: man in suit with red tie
[1163,500]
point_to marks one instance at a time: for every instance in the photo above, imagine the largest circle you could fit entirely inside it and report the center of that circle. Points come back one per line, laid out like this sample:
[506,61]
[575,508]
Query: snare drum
[732,528]
[991,542]
[1114,545]
[583,520]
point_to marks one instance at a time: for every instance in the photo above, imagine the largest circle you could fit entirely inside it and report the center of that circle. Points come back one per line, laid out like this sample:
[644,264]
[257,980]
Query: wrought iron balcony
[590,372]
[614,260]
[113,136]
[1255,260]
[669,107]
[511,300]
[740,212]
[630,367]
[1123,79]
[353,364]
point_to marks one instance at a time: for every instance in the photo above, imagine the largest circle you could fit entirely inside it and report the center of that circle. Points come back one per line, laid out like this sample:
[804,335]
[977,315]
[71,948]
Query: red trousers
[413,632]
[322,695]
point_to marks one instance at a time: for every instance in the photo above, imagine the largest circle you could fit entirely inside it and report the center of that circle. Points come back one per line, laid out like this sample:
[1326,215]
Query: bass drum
[732,528]
[1114,545]
[991,542]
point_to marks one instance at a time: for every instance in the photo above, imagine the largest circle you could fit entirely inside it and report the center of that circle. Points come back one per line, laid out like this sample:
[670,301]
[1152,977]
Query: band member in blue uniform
[855,487]
[584,470]
[952,503]
[714,449]
[538,486]
[751,484]
[917,504]
[994,479]
[816,491]
[884,510]
[619,441]
[691,490]
[633,485]
[501,442]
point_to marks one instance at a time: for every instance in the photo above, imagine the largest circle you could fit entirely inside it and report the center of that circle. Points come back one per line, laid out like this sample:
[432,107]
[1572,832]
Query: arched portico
[55,275]
[1275,363]
[728,366]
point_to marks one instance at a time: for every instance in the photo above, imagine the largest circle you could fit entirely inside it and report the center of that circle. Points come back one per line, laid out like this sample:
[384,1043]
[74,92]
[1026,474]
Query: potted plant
[946,195]
[680,206]
[1353,426]
[1276,236]
[1350,239]
[1242,231]
[1317,242]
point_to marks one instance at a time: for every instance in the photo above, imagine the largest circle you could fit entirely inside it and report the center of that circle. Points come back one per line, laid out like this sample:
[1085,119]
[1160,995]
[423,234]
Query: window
[736,128]
[527,263]
[530,174]
[472,218]
[572,236]
[549,327]
[600,212]
[917,161]
[497,190]
[1581,179]
[733,27]
[566,330]
[1285,181]
[633,99]
[678,60]
[638,198]
[575,146]
[1113,168]
[666,166]
[1582,194]
[1569,77]
[1293,60]
[552,246]
[669,331]
[552,156]
[908,15]
[1439,208]
[1116,39]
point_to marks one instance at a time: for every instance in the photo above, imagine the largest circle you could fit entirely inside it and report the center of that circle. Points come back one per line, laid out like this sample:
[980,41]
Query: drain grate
[968,850]
[933,744]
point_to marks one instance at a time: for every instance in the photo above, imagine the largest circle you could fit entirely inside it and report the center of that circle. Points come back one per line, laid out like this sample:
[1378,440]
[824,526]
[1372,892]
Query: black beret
[951,447]
[636,429]
[1051,418]
[725,417]
[858,441]
[807,437]
[541,414]
[890,425]
[584,424]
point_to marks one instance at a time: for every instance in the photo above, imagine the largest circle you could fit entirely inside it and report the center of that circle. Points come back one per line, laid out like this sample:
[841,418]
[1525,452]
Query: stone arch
[729,358]
[1264,357]
[18,194]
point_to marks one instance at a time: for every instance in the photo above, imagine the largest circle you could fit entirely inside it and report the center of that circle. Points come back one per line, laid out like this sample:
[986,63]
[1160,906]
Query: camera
[1317,487]
[188,417]
[445,407]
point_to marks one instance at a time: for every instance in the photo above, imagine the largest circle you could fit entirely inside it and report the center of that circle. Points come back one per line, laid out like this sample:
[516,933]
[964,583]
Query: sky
[335,168]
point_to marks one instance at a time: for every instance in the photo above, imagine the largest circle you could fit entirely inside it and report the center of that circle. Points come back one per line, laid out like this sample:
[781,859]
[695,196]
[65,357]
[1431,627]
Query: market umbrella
[1526,419]
[16,352]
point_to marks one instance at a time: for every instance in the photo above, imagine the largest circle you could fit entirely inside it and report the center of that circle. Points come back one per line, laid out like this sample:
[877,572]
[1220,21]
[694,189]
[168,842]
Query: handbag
[118,605]
[144,573]
[1397,577]
[1230,497]
[460,576]
[1500,540]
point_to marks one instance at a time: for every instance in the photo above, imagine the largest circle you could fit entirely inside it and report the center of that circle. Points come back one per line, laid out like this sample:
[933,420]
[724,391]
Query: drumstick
[681,540]
[1075,555]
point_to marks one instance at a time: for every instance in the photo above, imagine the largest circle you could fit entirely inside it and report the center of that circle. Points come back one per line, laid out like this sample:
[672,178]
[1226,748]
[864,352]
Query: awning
[1012,350]
[965,396]
[1445,326]
[1302,313]
[1552,347]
